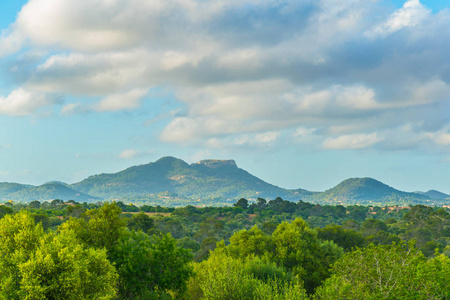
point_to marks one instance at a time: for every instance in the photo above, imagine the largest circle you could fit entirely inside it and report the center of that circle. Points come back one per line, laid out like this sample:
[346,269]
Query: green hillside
[433,194]
[172,182]
[368,191]
[7,188]
[171,176]
[48,191]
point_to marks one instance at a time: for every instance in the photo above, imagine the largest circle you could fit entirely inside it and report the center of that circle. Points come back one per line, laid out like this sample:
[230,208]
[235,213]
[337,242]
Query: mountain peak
[215,163]
[363,181]
[434,194]
[169,159]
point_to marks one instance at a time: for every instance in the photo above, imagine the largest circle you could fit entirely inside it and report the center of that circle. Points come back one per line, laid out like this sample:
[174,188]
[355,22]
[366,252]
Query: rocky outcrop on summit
[215,163]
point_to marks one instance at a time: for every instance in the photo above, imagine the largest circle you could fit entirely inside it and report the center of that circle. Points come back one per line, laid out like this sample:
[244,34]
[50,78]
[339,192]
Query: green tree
[372,227]
[378,272]
[75,211]
[43,219]
[150,265]
[39,265]
[140,222]
[34,204]
[346,238]
[4,210]
[292,246]
[250,242]
[224,277]
[99,228]
[298,248]
[242,203]
[57,202]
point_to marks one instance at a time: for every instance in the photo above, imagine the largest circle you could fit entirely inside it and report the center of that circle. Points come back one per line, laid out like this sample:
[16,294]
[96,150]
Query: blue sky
[301,93]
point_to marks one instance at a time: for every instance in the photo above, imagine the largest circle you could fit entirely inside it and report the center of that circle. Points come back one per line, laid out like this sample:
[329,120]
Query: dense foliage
[273,249]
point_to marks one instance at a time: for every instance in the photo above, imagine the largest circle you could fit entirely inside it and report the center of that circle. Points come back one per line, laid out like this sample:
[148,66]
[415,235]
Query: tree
[396,271]
[39,265]
[298,248]
[292,246]
[4,210]
[382,238]
[242,203]
[150,265]
[269,227]
[140,222]
[100,228]
[346,238]
[261,202]
[75,211]
[34,204]
[250,242]
[57,202]
[372,227]
[222,277]
[43,219]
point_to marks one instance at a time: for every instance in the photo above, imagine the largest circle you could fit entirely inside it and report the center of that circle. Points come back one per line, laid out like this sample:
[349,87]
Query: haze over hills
[434,194]
[47,191]
[210,182]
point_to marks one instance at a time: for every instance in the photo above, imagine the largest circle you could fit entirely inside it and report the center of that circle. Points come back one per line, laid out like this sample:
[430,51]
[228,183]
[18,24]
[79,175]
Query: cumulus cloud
[260,141]
[338,73]
[21,102]
[10,42]
[411,14]
[73,108]
[123,101]
[130,100]
[129,153]
[441,138]
[352,141]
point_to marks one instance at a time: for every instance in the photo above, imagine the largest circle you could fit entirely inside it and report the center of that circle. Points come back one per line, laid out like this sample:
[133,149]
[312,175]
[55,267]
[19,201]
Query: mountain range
[170,181]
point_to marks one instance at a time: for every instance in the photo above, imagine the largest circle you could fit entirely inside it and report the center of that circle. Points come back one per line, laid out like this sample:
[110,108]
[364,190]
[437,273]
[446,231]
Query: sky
[300,93]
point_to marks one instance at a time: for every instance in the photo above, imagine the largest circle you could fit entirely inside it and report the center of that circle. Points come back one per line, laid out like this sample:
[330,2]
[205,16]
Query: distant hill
[171,176]
[48,191]
[433,194]
[7,188]
[173,182]
[366,191]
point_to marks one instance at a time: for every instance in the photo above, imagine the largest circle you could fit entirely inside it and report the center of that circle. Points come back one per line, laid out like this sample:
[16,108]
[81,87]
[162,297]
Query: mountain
[48,191]
[171,181]
[7,188]
[172,177]
[367,191]
[433,194]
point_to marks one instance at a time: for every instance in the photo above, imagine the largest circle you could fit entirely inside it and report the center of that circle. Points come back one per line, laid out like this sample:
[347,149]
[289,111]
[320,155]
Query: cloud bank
[336,74]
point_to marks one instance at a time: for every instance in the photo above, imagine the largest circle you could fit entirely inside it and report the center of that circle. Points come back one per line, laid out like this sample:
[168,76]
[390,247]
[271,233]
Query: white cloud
[357,97]
[73,24]
[411,14]
[441,137]
[353,141]
[242,69]
[130,100]
[267,137]
[73,108]
[123,101]
[21,102]
[129,154]
[10,42]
